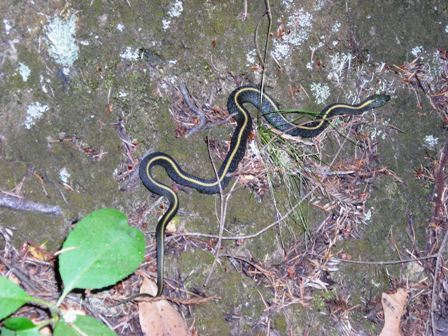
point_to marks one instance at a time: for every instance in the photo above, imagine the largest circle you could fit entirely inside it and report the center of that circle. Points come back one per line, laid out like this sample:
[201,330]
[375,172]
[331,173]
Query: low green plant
[287,161]
[101,250]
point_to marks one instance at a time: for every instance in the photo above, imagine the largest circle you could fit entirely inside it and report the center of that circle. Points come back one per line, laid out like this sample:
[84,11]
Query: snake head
[378,100]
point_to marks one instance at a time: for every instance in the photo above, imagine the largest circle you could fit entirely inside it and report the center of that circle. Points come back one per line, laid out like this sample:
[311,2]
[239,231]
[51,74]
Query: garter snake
[235,105]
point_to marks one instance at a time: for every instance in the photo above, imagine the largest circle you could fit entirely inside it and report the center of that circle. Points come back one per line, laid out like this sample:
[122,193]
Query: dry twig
[21,204]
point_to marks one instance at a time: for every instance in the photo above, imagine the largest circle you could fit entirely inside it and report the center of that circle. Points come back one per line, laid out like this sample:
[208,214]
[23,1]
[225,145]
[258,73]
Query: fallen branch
[17,203]
[145,297]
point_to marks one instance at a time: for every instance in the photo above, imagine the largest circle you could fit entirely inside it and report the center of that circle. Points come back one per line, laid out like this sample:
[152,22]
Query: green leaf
[19,326]
[83,325]
[28,332]
[12,297]
[18,323]
[7,332]
[101,250]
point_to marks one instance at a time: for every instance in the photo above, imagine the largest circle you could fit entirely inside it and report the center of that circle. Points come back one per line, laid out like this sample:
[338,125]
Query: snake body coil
[235,105]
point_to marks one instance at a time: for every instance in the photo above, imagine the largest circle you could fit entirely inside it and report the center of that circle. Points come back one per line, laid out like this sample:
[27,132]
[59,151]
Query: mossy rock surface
[211,49]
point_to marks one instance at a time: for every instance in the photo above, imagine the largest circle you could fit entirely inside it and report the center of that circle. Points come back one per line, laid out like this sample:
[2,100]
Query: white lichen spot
[122,94]
[251,57]
[61,41]
[417,51]
[43,83]
[130,54]
[175,10]
[336,27]
[287,3]
[320,92]
[309,66]
[33,113]
[446,29]
[64,175]
[120,27]
[281,49]
[7,25]
[368,215]
[299,24]
[431,142]
[166,23]
[24,71]
[338,62]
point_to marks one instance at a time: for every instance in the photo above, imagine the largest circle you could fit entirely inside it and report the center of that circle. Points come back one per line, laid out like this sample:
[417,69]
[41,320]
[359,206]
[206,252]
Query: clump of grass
[286,162]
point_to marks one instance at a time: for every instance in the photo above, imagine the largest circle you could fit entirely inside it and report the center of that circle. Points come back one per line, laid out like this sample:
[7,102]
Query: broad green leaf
[28,332]
[83,325]
[12,297]
[7,332]
[18,323]
[101,250]
[19,326]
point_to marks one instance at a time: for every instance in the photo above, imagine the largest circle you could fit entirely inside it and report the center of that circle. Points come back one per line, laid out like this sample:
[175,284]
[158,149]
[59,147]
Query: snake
[235,106]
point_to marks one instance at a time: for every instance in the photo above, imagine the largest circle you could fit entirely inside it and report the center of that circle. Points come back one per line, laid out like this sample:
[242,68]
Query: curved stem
[62,297]
[43,303]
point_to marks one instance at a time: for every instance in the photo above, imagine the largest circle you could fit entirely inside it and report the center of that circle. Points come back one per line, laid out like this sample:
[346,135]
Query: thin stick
[266,44]
[253,235]
[244,14]
[220,122]
[144,297]
[17,203]
[221,219]
[262,270]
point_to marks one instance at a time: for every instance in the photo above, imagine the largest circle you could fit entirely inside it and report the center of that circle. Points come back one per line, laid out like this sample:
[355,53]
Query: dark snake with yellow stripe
[235,105]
